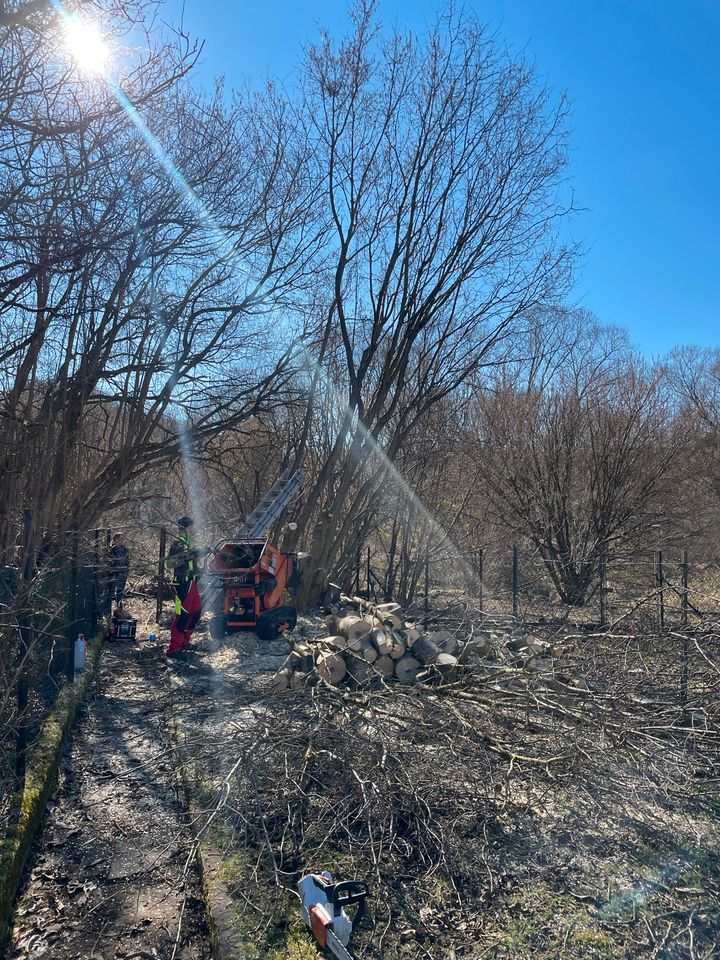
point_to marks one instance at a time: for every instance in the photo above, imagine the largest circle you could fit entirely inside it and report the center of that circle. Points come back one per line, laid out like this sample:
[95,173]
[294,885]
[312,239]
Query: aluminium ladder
[258,523]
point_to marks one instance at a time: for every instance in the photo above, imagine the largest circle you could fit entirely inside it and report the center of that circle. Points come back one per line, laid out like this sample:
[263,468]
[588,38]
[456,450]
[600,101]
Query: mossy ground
[28,805]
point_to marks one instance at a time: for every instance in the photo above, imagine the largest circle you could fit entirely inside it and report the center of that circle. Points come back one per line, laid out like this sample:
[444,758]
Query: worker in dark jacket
[183,559]
[117,560]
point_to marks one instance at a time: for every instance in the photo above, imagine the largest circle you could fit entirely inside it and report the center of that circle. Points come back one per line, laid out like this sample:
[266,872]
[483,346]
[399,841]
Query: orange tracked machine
[249,583]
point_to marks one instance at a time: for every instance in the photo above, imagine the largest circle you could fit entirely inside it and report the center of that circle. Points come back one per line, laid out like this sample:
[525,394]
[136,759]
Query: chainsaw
[323,909]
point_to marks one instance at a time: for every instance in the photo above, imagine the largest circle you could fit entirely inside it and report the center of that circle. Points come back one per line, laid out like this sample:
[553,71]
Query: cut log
[302,649]
[354,627]
[475,650]
[445,665]
[446,641]
[407,669]
[386,612]
[383,640]
[412,633]
[398,649]
[337,642]
[331,667]
[359,670]
[392,620]
[367,651]
[385,666]
[425,650]
[388,608]
[298,660]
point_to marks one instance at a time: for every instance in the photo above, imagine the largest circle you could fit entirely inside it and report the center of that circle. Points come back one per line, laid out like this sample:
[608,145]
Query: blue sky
[644,85]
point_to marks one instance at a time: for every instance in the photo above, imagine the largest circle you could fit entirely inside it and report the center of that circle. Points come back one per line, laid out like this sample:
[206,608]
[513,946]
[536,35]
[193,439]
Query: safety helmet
[185,522]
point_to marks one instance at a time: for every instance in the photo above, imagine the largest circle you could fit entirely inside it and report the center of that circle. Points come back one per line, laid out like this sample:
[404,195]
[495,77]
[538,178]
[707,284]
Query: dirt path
[113,874]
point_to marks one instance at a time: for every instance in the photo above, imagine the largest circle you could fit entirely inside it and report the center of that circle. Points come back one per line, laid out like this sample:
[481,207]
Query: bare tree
[136,297]
[577,447]
[441,161]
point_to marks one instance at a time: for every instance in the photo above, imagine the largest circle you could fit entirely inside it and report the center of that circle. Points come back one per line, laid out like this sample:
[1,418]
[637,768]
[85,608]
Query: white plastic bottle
[80,652]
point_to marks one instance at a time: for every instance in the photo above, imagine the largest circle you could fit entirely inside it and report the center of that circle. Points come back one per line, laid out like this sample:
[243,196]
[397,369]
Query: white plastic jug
[80,652]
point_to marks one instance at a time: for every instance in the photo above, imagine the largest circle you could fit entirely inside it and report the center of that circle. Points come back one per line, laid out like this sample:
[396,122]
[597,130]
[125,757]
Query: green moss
[545,924]
[40,772]
[298,946]
[596,939]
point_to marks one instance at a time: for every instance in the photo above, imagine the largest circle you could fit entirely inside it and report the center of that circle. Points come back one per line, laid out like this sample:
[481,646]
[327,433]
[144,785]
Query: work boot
[177,655]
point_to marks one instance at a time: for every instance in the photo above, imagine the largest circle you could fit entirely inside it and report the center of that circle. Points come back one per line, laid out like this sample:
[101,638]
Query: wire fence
[654,589]
[48,599]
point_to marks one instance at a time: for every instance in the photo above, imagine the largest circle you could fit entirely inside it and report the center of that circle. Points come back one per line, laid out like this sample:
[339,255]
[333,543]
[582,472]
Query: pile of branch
[366,642]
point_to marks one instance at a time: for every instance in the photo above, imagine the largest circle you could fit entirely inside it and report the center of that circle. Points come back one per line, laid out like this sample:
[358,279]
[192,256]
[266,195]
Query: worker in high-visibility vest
[183,559]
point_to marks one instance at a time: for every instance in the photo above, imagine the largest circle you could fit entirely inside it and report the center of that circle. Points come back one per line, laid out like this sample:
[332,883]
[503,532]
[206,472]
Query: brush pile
[366,642]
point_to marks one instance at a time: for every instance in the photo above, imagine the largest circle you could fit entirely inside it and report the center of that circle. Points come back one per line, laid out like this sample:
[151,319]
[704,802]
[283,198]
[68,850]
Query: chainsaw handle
[345,893]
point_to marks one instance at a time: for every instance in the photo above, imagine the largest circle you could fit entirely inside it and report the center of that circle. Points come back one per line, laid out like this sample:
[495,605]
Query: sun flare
[86,46]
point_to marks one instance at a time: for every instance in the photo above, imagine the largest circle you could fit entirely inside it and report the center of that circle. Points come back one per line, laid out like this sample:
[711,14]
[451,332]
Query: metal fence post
[684,598]
[161,575]
[660,583]
[515,580]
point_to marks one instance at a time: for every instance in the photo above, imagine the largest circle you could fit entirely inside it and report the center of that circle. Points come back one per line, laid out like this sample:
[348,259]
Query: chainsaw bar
[336,948]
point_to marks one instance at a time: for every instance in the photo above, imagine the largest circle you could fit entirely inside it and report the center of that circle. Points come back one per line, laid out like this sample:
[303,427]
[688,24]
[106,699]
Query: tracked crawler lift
[249,583]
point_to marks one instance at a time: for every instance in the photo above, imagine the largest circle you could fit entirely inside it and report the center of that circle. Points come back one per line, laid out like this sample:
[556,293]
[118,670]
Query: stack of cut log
[366,642]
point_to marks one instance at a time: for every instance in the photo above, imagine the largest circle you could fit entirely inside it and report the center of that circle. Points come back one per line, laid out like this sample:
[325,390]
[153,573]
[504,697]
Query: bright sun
[86,46]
